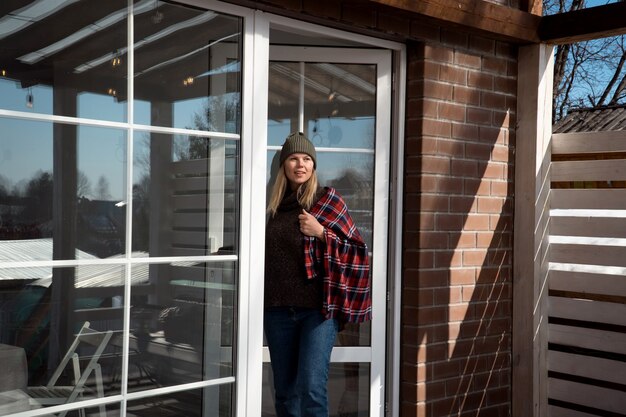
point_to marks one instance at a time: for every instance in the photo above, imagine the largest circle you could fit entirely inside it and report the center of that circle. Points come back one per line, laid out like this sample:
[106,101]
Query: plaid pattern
[343,261]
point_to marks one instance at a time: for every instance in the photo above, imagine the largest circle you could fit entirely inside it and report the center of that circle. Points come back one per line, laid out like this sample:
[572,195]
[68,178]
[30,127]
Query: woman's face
[298,169]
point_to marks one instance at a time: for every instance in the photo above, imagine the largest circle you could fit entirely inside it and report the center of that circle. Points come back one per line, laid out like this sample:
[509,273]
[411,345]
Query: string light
[117,59]
[188,81]
[4,73]
[112,92]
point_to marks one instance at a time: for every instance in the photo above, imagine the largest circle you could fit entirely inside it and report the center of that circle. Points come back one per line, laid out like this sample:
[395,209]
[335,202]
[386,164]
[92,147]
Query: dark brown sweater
[286,284]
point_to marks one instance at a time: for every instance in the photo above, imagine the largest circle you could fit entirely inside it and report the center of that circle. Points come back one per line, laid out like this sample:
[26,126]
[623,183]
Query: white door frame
[385,339]
[375,353]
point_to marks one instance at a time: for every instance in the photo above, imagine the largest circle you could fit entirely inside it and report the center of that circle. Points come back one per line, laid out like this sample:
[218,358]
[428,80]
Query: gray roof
[86,275]
[593,120]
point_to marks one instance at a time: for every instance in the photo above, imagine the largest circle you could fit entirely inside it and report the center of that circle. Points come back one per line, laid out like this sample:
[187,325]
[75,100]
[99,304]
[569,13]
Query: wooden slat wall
[587,278]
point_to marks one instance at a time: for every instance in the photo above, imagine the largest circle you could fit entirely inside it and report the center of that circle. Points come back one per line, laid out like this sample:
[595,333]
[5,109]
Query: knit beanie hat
[298,143]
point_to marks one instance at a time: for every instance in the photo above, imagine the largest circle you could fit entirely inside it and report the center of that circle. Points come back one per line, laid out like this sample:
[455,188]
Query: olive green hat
[298,143]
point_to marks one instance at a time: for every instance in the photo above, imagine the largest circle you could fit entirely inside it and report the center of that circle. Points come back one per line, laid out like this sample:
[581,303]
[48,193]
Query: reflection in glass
[61,205]
[339,103]
[182,323]
[185,195]
[348,390]
[77,69]
[214,401]
[187,68]
[48,314]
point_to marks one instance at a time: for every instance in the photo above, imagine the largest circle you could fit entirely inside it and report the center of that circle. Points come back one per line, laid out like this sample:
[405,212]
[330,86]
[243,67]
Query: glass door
[341,99]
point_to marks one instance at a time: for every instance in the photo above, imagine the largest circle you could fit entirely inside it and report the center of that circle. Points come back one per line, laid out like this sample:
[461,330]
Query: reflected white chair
[51,394]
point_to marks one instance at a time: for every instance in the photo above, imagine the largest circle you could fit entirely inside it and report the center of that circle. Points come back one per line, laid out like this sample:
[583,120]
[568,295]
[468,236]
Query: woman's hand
[309,225]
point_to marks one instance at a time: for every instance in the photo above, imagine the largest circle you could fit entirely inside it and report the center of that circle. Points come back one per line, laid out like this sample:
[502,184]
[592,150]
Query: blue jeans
[300,342]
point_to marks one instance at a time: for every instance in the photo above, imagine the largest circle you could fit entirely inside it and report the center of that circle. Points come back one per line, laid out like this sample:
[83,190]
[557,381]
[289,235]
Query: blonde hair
[305,192]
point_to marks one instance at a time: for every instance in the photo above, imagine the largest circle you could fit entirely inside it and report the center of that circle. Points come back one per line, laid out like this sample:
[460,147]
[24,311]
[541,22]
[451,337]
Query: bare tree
[587,74]
[103,188]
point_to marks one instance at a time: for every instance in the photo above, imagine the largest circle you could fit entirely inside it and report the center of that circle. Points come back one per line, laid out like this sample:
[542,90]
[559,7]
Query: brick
[425,31]
[451,111]
[462,204]
[464,168]
[453,75]
[506,50]
[446,369]
[490,204]
[495,170]
[505,85]
[454,37]
[475,257]
[450,147]
[435,278]
[480,80]
[432,315]
[483,45]
[492,134]
[502,118]
[460,312]
[436,128]
[448,222]
[479,116]
[435,165]
[462,276]
[434,202]
[431,70]
[433,240]
[493,100]
[444,185]
[501,188]
[477,222]
[466,95]
[439,90]
[411,221]
[495,65]
[411,187]
[448,259]
[462,131]
[467,60]
[438,54]
[478,151]
[493,239]
[447,295]
[413,164]
[474,187]
[465,240]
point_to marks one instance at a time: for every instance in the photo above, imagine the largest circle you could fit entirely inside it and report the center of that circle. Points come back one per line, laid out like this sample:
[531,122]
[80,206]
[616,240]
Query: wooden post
[531,248]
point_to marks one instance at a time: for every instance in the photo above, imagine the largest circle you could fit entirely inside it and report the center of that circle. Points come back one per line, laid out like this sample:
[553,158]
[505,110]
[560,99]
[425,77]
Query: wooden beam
[530,266]
[585,24]
[494,19]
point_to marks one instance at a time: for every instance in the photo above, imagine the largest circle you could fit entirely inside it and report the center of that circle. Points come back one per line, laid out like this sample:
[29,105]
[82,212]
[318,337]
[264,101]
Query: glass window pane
[214,401]
[182,323]
[76,68]
[348,390]
[185,195]
[340,104]
[61,205]
[48,314]
[187,68]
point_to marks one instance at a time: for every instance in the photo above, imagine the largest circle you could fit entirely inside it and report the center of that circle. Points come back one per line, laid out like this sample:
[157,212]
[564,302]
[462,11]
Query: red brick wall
[456,309]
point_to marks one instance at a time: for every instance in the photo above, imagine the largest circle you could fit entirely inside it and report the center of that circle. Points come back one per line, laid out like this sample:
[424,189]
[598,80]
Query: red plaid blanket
[342,259]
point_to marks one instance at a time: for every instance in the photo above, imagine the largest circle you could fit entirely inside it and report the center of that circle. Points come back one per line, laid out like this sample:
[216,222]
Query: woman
[316,280]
